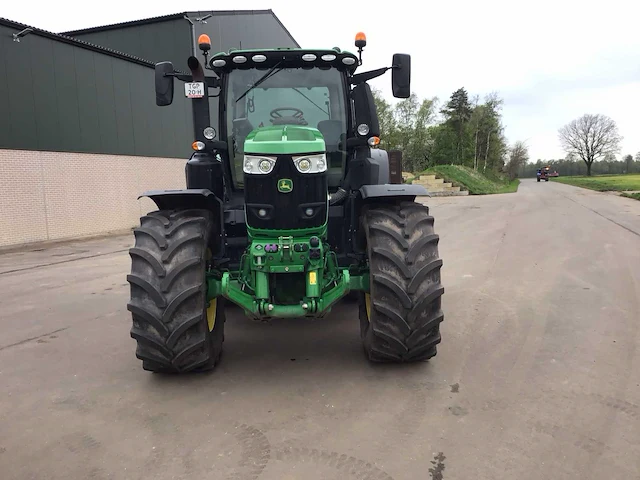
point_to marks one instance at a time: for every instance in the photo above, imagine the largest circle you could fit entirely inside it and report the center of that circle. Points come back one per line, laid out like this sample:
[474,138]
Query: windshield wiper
[321,109]
[260,80]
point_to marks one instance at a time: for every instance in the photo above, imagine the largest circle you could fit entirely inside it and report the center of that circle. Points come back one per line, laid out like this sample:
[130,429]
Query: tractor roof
[286,57]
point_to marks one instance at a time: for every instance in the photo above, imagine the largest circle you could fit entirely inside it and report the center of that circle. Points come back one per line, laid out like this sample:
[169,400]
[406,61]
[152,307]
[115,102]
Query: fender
[392,191]
[388,193]
[193,198]
[199,198]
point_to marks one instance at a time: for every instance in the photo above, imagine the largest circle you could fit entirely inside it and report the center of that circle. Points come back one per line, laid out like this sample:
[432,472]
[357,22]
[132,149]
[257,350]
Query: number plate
[194,90]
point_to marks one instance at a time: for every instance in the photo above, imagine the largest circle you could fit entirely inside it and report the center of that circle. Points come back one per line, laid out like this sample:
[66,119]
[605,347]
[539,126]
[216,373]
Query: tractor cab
[272,92]
[266,90]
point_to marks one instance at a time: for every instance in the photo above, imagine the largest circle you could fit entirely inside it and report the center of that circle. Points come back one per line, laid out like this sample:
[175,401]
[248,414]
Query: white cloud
[550,60]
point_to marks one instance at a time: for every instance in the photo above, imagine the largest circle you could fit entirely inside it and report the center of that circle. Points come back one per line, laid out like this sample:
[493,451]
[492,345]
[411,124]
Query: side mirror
[164,84]
[401,75]
[365,109]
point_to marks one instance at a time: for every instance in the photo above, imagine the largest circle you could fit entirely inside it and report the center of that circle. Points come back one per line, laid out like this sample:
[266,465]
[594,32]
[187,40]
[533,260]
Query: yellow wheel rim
[212,308]
[211,313]
[367,304]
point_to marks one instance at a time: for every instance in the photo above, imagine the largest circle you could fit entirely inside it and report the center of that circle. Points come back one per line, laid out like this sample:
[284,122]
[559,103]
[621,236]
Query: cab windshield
[294,96]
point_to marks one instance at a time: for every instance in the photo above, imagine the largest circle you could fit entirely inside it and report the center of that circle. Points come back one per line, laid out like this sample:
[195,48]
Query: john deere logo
[285,185]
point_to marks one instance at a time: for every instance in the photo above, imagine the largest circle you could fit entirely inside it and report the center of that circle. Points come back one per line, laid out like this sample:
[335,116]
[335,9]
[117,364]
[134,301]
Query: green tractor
[285,213]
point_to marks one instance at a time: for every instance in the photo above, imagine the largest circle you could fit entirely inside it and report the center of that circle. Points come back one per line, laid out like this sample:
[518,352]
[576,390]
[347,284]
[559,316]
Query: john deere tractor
[287,210]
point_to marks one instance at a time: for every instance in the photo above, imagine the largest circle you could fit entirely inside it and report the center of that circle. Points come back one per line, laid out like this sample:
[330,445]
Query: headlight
[209,133]
[311,163]
[258,165]
[304,165]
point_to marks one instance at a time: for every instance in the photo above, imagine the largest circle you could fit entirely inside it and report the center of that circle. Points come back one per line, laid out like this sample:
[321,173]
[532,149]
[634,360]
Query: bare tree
[518,156]
[590,137]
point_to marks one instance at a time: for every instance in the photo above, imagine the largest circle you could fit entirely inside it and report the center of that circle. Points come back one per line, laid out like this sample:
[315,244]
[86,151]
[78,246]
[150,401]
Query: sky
[550,61]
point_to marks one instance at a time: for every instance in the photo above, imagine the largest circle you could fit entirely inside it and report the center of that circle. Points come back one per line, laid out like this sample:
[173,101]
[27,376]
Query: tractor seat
[242,128]
[331,130]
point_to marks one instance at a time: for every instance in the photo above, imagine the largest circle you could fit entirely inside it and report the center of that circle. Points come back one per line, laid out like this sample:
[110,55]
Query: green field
[475,182]
[604,183]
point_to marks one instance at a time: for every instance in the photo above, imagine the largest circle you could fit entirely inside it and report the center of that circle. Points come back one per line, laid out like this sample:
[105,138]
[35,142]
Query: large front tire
[400,317]
[175,328]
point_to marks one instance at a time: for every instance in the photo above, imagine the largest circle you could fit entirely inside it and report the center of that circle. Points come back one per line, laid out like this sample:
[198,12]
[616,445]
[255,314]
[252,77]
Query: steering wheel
[275,113]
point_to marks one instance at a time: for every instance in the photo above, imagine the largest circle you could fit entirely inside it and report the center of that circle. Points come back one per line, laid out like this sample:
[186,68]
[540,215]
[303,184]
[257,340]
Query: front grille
[286,210]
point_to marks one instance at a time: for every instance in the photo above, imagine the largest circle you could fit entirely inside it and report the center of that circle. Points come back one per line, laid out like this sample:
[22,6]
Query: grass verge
[635,196]
[475,182]
[603,183]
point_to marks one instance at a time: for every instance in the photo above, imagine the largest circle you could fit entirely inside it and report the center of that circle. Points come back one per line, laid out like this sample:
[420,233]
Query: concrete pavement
[538,374]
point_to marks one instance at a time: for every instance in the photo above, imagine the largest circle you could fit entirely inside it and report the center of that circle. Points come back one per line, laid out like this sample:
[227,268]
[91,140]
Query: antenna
[22,33]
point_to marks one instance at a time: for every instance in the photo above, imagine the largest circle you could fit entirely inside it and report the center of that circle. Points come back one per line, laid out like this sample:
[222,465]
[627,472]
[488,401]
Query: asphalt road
[538,374]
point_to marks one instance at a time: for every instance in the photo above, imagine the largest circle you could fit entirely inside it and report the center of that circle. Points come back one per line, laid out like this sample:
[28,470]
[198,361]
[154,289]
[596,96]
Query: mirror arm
[212,82]
[179,76]
[359,78]
[352,142]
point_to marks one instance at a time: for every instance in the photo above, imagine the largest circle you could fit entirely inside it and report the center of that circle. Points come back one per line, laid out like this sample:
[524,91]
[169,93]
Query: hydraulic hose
[338,197]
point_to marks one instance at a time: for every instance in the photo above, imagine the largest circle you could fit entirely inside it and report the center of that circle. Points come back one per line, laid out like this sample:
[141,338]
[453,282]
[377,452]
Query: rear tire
[400,317]
[169,308]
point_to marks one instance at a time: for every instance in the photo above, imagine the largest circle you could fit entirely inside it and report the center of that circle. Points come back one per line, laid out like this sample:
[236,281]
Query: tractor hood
[284,140]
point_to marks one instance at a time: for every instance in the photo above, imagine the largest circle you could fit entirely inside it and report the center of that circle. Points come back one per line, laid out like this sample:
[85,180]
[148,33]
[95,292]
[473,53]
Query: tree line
[467,131]
[463,131]
[573,165]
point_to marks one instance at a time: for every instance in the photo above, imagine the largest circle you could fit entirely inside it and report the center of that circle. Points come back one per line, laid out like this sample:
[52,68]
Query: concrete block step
[430,182]
[427,177]
[438,187]
[446,194]
[428,185]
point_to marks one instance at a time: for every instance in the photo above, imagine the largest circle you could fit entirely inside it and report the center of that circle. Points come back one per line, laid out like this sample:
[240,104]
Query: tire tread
[168,292]
[405,284]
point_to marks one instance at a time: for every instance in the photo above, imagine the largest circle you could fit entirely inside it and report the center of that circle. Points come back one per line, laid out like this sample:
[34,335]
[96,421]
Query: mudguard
[199,198]
[193,198]
[404,191]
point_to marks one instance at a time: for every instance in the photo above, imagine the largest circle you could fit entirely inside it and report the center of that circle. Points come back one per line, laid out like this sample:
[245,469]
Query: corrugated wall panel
[106,112]
[122,106]
[5,125]
[156,42]
[87,95]
[172,40]
[258,30]
[66,91]
[61,97]
[21,111]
